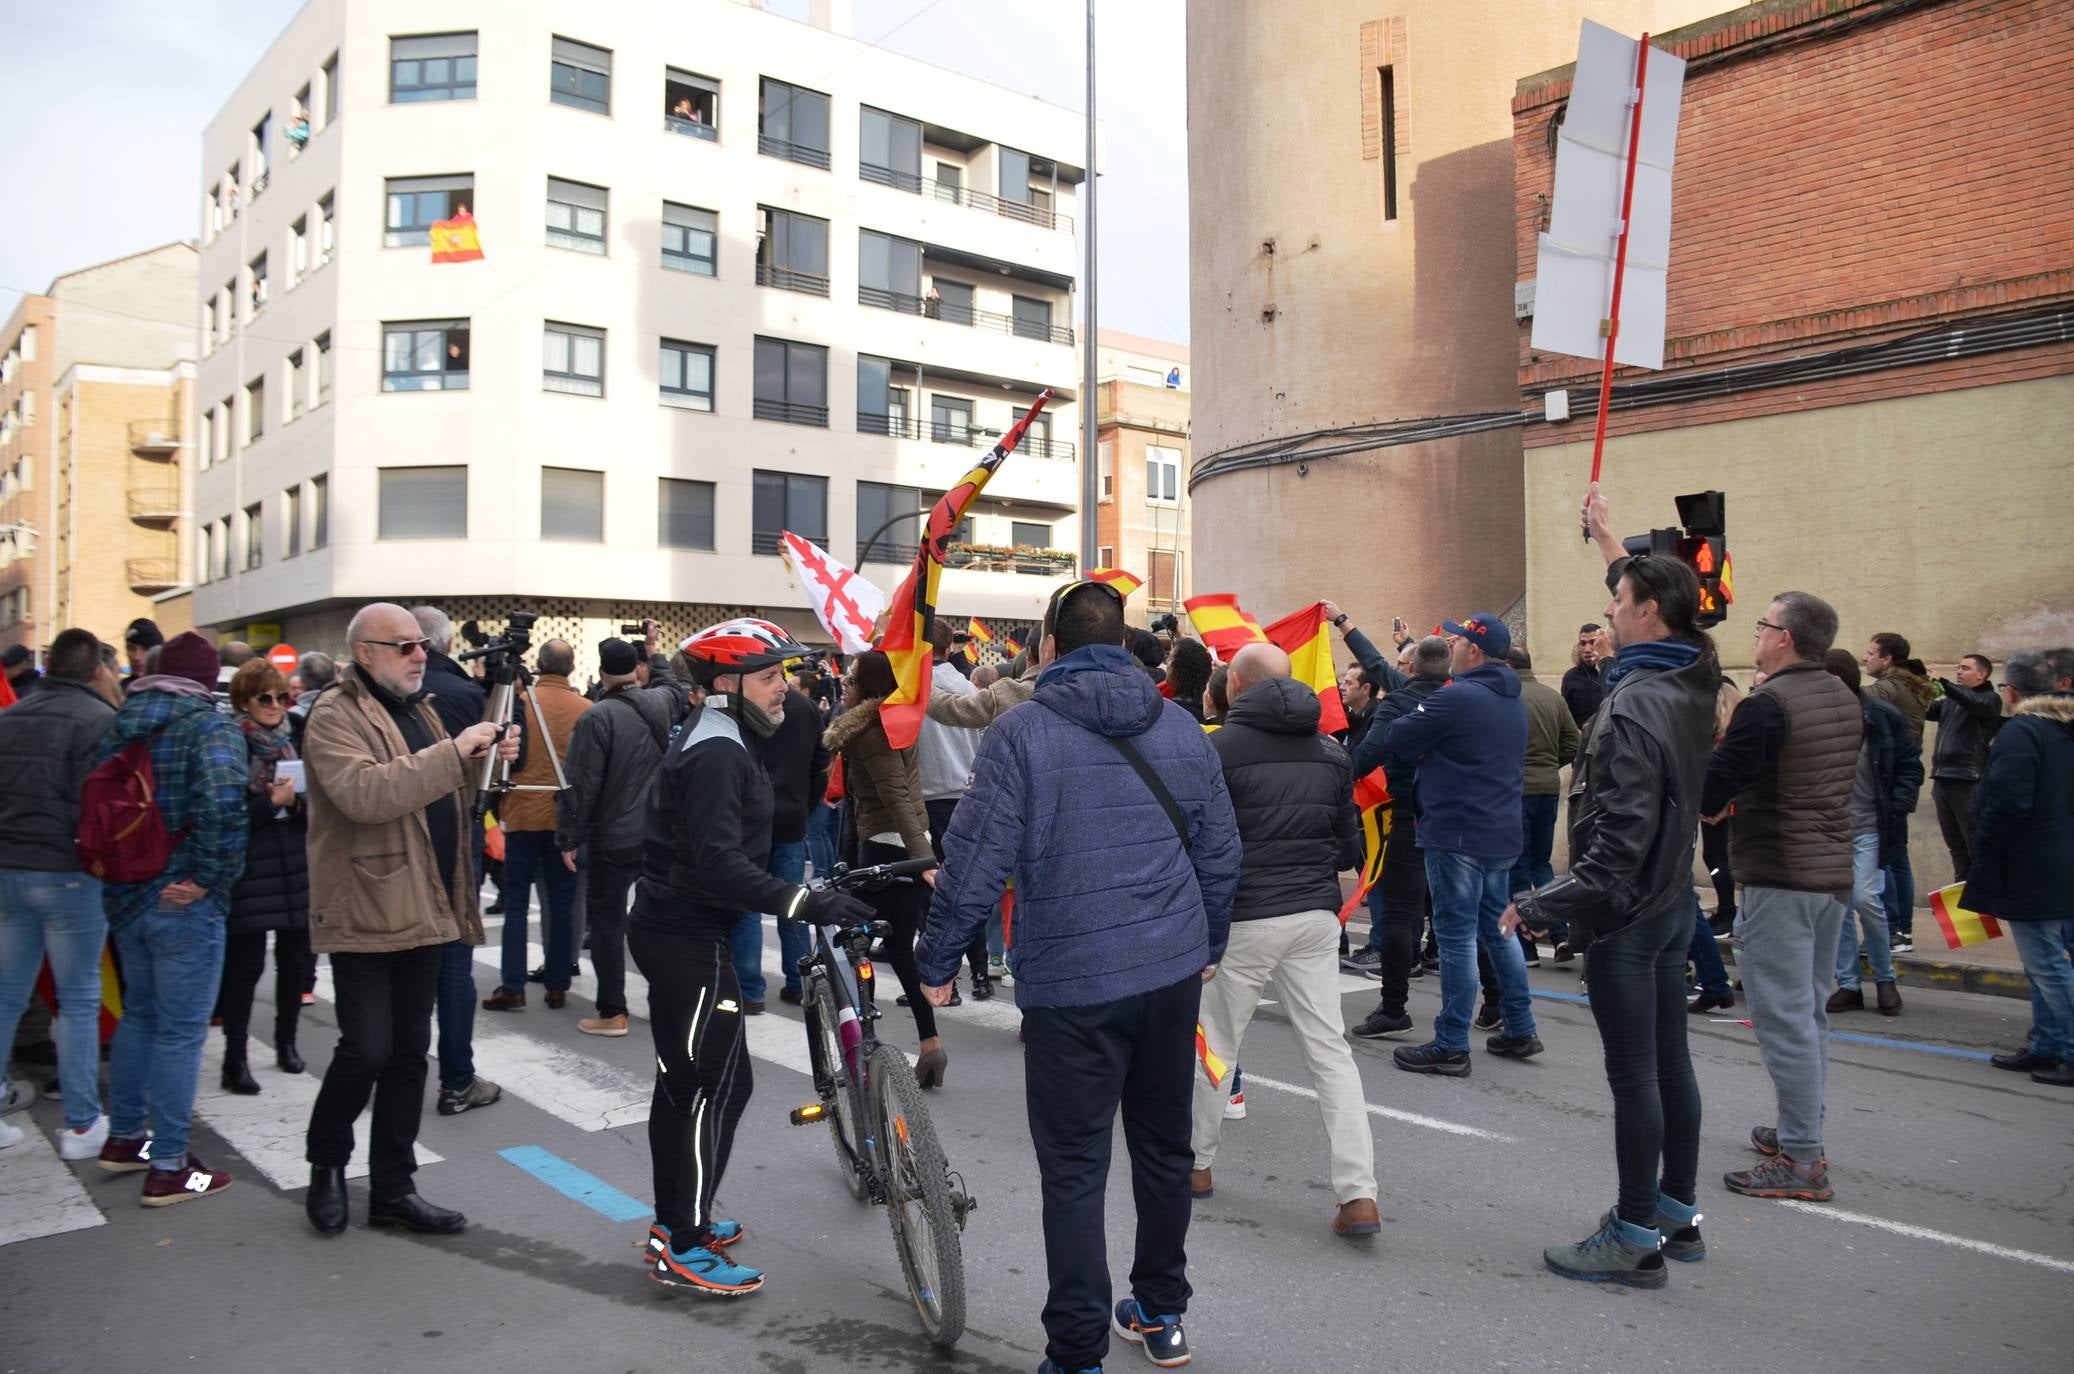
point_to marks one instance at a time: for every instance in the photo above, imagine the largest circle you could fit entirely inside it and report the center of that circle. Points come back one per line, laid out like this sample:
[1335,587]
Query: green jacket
[1906,692]
[1552,738]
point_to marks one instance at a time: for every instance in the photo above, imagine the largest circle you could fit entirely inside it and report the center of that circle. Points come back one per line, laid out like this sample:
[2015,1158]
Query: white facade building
[740,274]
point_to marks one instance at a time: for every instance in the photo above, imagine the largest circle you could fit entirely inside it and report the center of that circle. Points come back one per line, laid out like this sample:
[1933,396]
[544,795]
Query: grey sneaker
[1367,961]
[1618,1252]
[480,1092]
[1779,1176]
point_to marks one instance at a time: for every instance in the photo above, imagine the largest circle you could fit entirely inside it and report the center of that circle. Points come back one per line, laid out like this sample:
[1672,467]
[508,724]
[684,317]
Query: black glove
[828,907]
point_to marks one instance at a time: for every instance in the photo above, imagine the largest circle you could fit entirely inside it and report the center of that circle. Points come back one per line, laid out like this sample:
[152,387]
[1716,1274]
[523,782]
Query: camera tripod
[505,668]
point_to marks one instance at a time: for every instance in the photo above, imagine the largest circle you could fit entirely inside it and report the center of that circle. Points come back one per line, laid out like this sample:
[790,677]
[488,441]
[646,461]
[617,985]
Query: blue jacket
[1107,903]
[1470,741]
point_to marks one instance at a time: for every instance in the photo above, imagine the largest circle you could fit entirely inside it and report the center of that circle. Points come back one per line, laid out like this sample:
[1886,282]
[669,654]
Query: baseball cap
[143,631]
[16,656]
[1484,630]
[617,658]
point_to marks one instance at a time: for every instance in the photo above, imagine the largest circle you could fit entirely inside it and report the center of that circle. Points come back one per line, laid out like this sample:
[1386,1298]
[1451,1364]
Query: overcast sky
[120,90]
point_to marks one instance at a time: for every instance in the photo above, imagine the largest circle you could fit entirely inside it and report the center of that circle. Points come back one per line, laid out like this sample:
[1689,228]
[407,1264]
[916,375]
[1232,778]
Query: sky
[122,88]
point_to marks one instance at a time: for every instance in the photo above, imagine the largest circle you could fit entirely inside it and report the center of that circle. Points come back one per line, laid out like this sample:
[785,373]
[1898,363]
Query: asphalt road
[1950,1245]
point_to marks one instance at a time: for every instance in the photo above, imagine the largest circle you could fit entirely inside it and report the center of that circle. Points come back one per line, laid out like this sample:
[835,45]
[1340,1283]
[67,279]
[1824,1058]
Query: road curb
[1987,980]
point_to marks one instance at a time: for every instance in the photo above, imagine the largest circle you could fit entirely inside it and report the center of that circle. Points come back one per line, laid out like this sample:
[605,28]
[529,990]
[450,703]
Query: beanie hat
[616,658]
[189,655]
[144,633]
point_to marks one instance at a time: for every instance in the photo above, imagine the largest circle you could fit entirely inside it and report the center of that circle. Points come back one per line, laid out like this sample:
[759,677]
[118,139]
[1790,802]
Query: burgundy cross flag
[844,603]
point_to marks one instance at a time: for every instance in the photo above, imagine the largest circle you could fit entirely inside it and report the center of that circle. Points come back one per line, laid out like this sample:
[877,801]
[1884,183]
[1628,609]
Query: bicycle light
[809,1114]
[864,970]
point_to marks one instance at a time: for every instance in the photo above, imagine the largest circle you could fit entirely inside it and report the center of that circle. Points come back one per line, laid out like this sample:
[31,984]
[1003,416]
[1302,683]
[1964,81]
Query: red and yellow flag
[1213,1067]
[1307,639]
[455,240]
[913,611]
[1011,644]
[977,628]
[1125,583]
[1960,926]
[1372,799]
[1222,626]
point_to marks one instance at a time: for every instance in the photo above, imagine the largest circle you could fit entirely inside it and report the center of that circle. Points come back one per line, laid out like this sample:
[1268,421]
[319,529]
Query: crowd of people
[1134,836]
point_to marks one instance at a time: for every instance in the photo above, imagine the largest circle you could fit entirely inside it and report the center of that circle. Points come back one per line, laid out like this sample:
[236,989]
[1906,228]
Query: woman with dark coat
[274,892]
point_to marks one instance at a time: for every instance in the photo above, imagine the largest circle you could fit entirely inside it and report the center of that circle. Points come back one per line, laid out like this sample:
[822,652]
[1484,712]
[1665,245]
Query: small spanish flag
[1011,644]
[1223,626]
[455,240]
[1960,926]
[977,628]
[1125,583]
[1213,1067]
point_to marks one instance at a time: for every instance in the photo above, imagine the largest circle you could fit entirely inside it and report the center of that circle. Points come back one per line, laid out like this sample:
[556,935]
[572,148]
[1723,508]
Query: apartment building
[1141,425]
[739,274]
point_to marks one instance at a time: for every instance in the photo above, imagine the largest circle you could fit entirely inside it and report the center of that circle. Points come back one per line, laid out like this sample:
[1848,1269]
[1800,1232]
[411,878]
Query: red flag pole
[1620,257]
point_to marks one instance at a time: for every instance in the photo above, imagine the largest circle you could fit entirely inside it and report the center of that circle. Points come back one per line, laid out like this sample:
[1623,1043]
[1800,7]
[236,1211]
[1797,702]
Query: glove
[828,907]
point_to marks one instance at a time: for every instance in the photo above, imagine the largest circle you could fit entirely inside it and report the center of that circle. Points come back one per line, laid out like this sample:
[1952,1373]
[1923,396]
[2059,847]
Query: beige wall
[1134,418]
[25,473]
[94,537]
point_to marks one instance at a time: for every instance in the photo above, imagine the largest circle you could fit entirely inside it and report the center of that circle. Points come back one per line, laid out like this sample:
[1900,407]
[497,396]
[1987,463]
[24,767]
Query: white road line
[39,1194]
[1902,1228]
[590,1094]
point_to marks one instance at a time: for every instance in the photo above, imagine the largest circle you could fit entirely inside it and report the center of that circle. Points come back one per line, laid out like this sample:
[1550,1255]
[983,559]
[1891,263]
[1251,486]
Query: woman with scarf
[274,893]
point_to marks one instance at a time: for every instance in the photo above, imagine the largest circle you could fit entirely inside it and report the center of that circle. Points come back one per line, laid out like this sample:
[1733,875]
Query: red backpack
[122,837]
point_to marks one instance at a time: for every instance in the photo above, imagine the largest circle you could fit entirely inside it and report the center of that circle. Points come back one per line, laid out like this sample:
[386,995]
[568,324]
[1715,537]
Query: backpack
[122,836]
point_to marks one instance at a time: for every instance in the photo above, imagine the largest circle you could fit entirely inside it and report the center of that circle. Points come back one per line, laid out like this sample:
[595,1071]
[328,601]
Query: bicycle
[884,1141]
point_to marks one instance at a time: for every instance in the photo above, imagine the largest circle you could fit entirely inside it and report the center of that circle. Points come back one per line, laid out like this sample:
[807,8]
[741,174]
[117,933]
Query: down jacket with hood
[1109,903]
[2023,831]
[1292,790]
[1470,742]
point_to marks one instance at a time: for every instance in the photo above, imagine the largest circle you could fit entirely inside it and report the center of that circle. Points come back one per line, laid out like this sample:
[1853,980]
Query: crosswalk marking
[40,1195]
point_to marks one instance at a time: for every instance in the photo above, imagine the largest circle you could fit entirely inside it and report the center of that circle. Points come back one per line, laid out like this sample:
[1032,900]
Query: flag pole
[1090,418]
[1620,259]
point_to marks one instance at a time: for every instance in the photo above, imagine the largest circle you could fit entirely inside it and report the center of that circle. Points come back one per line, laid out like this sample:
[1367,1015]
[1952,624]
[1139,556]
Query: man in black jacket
[1967,715]
[1293,792]
[1584,685]
[613,752]
[798,769]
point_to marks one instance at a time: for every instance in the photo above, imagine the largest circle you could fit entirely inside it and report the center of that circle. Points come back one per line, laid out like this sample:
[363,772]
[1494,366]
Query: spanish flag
[1372,799]
[1221,625]
[1125,583]
[1307,639]
[1011,645]
[455,240]
[1213,1068]
[1960,926]
[912,614]
[977,628]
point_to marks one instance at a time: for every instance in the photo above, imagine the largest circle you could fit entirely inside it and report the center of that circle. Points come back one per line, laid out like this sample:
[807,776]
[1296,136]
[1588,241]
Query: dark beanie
[189,655]
[143,633]
[616,658]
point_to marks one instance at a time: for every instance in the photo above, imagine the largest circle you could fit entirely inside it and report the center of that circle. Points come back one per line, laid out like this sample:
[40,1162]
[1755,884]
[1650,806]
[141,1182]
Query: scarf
[266,747]
[1665,654]
[170,682]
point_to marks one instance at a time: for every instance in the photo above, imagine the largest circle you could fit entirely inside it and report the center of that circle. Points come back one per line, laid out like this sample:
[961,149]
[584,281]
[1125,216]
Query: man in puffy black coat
[1292,790]
[1967,715]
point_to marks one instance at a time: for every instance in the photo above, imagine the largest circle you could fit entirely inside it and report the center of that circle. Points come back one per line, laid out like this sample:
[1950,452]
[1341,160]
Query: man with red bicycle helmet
[706,845]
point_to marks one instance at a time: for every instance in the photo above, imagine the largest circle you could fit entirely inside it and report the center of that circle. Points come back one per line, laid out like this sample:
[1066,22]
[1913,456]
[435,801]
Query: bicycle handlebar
[846,879]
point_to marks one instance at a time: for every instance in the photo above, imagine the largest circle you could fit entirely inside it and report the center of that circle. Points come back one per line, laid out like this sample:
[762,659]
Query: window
[330,76]
[326,222]
[298,249]
[1105,557]
[792,253]
[205,446]
[1015,176]
[889,272]
[425,355]
[291,522]
[684,517]
[794,124]
[294,393]
[574,360]
[205,553]
[256,152]
[950,182]
[228,412]
[1032,318]
[791,382]
[881,406]
[1163,569]
[950,419]
[1162,475]
[257,269]
[417,203]
[1037,438]
[575,216]
[690,239]
[27,344]
[787,501]
[433,66]
[255,536]
[878,505]
[1105,466]
[323,347]
[1030,535]
[214,212]
[952,301]
[423,503]
[226,310]
[889,150]
[1389,141]
[580,76]
[231,193]
[299,122]
[320,512]
[572,505]
[255,409]
[223,548]
[691,104]
[687,375]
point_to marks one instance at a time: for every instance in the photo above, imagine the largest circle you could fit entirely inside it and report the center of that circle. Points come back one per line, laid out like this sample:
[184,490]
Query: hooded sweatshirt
[1470,742]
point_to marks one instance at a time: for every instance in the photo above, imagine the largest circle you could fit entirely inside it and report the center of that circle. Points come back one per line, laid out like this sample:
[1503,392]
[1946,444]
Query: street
[1950,1244]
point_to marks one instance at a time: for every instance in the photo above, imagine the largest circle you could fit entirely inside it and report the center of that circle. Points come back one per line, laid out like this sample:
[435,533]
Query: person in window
[299,131]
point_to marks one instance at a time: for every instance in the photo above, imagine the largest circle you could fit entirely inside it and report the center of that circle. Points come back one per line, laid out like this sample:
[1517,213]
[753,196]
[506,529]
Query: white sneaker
[1904,946]
[84,1144]
[11,1135]
[1235,1107]
[20,1093]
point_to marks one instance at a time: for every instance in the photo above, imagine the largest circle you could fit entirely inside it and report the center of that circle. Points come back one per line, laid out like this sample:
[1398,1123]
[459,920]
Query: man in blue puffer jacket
[1119,921]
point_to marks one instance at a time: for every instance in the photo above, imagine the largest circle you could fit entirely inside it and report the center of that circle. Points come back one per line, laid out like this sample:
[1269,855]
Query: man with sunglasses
[391,885]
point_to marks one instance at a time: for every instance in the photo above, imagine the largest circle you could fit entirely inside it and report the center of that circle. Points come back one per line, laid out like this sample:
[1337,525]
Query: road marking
[1901,1228]
[39,1194]
[1948,1051]
[573,1183]
[1431,1123]
[589,1093]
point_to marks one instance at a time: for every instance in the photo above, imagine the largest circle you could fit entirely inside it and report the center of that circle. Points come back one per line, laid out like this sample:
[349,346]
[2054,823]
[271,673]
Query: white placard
[291,769]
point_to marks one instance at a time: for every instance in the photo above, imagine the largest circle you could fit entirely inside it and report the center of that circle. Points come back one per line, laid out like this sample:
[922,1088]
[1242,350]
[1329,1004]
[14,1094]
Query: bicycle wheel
[833,1083]
[918,1197]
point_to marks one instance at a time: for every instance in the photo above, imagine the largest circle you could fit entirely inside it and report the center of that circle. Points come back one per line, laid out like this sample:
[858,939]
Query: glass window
[1032,318]
[580,76]
[1037,438]
[684,517]
[256,274]
[952,301]
[1162,567]
[205,554]
[434,66]
[1030,535]
[788,501]
[323,347]
[298,248]
[1015,176]
[425,355]
[330,73]
[255,536]
[417,203]
[889,150]
[691,103]
[255,409]
[326,222]
[877,505]
[794,124]
[297,382]
[687,375]
[572,505]
[881,406]
[691,239]
[950,419]
[793,252]
[576,216]
[791,382]
[228,412]
[262,135]
[320,512]
[1162,475]
[423,503]
[291,522]
[889,272]
[574,361]
[950,182]
[1105,460]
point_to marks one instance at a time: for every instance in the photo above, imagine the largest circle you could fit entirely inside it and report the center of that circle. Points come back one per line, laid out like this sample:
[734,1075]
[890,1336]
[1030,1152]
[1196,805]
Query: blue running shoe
[1161,1338]
[705,1271]
[725,1233]
[1049,1368]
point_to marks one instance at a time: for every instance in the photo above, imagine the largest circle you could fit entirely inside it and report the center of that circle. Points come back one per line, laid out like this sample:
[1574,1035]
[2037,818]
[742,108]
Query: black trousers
[384,1029]
[1714,852]
[1079,1065]
[904,906]
[703,1079]
[939,825]
[1404,908]
[605,909]
[244,959]
[1638,998]
[1955,804]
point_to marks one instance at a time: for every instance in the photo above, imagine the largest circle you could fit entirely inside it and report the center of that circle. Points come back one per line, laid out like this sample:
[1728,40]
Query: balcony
[785,279]
[792,152]
[1041,216]
[153,439]
[154,506]
[148,576]
[950,313]
[1023,559]
[967,436]
[790,413]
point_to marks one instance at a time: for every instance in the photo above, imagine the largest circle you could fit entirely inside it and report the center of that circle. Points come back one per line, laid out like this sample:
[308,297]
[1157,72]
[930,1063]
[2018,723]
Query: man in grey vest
[1787,763]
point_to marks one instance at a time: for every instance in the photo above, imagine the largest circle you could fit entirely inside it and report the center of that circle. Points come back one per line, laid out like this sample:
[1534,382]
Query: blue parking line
[1849,1037]
[573,1183]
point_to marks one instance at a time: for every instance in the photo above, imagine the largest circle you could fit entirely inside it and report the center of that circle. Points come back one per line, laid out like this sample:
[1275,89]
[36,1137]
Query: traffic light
[1701,543]
[1707,556]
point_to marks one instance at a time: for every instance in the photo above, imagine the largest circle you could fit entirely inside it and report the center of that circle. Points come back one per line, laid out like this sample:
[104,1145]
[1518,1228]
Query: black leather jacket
[1634,803]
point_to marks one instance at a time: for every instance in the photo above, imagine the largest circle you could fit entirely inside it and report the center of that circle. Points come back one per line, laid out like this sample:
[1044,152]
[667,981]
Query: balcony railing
[790,413]
[1023,559]
[154,505]
[695,128]
[1041,216]
[786,279]
[969,436]
[888,551]
[952,313]
[148,575]
[792,152]
[153,439]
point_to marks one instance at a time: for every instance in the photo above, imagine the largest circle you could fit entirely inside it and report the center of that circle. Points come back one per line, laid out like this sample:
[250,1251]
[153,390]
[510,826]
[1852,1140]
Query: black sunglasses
[403,647]
[271,699]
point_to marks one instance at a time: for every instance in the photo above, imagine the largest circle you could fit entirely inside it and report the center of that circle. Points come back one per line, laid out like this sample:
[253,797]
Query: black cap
[143,632]
[16,656]
[616,658]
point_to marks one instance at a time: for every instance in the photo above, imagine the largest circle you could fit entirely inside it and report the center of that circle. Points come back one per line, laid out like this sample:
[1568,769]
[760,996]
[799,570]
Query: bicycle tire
[838,1097]
[918,1198]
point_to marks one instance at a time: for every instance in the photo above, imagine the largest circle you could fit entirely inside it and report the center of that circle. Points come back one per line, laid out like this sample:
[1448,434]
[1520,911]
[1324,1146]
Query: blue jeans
[1469,895]
[1867,879]
[1537,844]
[456,1000]
[1706,955]
[2047,948]
[59,913]
[527,854]
[788,863]
[1901,893]
[172,961]
[822,823]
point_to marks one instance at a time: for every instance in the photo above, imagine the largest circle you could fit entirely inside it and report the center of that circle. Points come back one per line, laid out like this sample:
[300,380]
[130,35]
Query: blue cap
[1485,631]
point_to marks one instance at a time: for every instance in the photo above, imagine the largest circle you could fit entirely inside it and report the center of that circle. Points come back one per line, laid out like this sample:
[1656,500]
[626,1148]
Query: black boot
[285,1056]
[982,987]
[237,1078]
[413,1213]
[326,1203]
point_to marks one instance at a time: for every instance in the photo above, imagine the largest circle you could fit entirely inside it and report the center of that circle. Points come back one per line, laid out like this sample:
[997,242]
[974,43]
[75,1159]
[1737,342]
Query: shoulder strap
[1145,774]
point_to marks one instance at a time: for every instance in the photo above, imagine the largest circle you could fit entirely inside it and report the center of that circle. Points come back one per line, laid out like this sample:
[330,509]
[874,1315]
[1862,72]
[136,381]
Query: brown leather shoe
[1199,1183]
[556,999]
[1358,1219]
[752,1008]
[1890,999]
[1847,999]
[502,1000]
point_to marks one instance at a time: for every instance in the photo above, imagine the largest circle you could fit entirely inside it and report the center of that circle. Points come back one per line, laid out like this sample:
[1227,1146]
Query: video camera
[503,654]
[1166,625]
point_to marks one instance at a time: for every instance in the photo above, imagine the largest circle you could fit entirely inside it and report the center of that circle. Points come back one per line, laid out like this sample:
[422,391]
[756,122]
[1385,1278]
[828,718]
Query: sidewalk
[1991,969]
